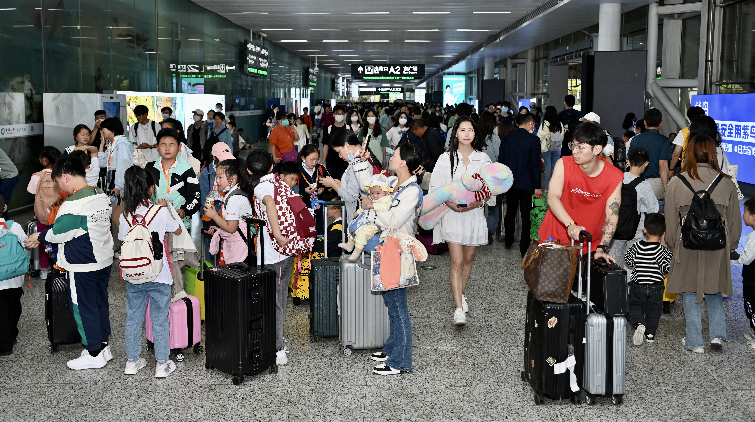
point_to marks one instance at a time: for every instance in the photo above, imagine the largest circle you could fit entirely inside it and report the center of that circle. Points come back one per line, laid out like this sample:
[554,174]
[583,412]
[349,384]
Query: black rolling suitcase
[608,283]
[554,348]
[323,288]
[240,316]
[34,267]
[61,326]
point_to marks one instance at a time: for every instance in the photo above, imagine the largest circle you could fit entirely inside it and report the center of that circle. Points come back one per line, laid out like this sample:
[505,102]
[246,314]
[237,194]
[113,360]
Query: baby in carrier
[360,230]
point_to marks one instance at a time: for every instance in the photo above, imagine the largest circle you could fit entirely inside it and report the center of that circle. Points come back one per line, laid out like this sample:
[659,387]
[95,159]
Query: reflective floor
[461,373]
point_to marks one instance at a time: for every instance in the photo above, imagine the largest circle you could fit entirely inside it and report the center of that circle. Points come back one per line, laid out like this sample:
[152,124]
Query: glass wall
[92,46]
[738,48]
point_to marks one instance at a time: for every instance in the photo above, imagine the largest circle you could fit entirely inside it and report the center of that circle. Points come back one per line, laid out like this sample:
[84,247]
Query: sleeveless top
[584,198]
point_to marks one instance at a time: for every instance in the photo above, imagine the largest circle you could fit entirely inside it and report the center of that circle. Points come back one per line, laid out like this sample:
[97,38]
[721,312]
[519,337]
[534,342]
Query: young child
[260,165]
[81,140]
[85,251]
[10,288]
[335,233]
[310,188]
[232,177]
[209,192]
[650,262]
[175,179]
[136,201]
[90,164]
[746,258]
[46,194]
[646,202]
[289,174]
[379,188]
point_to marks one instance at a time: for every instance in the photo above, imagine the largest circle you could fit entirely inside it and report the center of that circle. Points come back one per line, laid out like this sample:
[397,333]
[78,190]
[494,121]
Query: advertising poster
[135,100]
[736,124]
[454,89]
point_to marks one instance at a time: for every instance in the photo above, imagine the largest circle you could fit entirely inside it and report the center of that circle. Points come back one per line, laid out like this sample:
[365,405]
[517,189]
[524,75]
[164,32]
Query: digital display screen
[257,59]
[112,109]
[454,89]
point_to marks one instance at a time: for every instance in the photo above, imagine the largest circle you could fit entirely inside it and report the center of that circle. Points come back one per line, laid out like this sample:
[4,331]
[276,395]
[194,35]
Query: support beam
[609,27]
[677,83]
[652,44]
[530,73]
[674,9]
[660,95]
[489,68]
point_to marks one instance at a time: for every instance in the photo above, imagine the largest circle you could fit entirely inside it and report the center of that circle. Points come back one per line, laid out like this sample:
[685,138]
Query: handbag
[549,270]
[394,264]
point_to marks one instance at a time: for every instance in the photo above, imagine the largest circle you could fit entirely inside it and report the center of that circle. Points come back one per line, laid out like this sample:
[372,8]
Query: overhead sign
[313,76]
[380,90]
[197,70]
[257,60]
[736,125]
[387,71]
[22,130]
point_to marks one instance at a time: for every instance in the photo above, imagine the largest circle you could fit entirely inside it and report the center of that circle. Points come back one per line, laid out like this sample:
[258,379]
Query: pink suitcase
[185,327]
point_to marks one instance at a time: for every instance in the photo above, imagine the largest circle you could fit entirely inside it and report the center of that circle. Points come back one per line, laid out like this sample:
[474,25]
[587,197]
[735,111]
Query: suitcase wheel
[237,379]
[589,399]
[297,301]
[179,357]
[539,399]
[313,338]
[274,368]
[207,365]
[576,398]
[34,273]
[150,345]
[617,399]
[53,348]
[524,376]
[198,349]
[347,351]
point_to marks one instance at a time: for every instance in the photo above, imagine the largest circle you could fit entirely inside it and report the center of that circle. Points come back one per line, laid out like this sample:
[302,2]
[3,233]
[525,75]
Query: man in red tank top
[584,193]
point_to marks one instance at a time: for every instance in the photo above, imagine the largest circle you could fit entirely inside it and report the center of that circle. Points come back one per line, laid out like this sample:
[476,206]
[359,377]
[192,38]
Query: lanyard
[167,175]
[74,192]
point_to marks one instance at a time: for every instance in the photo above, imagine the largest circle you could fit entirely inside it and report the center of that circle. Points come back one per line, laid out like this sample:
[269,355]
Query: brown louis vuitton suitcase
[549,270]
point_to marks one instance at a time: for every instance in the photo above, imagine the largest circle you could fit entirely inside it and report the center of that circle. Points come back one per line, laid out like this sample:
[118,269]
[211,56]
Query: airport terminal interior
[621,64]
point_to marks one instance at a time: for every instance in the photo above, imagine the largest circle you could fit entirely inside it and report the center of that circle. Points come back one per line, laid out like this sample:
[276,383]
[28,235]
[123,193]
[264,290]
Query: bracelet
[605,248]
[567,226]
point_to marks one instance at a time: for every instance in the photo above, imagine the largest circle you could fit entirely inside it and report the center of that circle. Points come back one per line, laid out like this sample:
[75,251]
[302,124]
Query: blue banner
[736,123]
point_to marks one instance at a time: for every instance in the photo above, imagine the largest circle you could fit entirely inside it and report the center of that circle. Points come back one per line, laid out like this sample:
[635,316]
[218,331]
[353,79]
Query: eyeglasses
[582,147]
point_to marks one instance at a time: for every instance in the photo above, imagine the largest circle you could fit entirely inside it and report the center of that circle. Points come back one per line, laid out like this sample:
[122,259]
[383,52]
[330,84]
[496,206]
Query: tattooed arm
[612,219]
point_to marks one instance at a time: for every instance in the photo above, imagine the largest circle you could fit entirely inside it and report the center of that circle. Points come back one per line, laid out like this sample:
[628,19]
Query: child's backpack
[14,261]
[296,221]
[142,251]
[48,193]
[629,218]
[703,228]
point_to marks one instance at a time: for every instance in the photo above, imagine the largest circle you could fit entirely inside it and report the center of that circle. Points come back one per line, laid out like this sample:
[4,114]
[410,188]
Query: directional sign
[257,60]
[387,71]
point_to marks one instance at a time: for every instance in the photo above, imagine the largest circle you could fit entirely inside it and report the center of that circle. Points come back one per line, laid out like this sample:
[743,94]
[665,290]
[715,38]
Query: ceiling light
[327,60]
[444,55]
[276,29]
[431,13]
[473,30]
[82,38]
[119,27]
[194,39]
[293,40]
[335,40]
[377,41]
[323,29]
[353,60]
[380,60]
[417,41]
[348,55]
[374,30]
[7,9]
[165,38]
[312,13]
[422,30]
[413,60]
[317,55]
[248,13]
[71,26]
[458,41]
[22,26]
[370,13]
[343,50]
[490,12]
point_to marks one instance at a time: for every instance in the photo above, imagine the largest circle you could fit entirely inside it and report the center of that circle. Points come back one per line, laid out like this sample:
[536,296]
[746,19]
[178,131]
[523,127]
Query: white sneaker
[460,318]
[107,353]
[281,358]
[133,367]
[165,369]
[693,350]
[639,335]
[464,304]
[717,344]
[87,361]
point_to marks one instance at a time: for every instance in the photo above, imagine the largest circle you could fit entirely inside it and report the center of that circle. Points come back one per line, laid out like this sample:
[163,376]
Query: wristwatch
[605,248]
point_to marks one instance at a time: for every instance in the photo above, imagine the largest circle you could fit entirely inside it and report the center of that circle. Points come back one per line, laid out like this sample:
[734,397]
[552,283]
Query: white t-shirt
[161,224]
[18,281]
[263,189]
[144,134]
[93,172]
[237,207]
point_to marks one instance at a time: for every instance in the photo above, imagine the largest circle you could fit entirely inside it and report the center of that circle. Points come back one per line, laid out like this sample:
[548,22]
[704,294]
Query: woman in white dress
[464,227]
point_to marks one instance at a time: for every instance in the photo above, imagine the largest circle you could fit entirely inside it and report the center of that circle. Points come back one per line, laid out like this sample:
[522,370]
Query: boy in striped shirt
[650,262]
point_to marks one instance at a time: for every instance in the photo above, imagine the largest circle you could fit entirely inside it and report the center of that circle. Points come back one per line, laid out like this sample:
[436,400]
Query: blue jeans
[6,191]
[550,159]
[716,318]
[494,215]
[399,344]
[137,295]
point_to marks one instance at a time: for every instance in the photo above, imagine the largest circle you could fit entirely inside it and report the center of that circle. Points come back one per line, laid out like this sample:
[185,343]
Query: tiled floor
[468,373]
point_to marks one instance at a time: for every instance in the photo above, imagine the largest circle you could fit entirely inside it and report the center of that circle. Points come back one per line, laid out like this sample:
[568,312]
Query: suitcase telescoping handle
[325,205]
[260,227]
[582,235]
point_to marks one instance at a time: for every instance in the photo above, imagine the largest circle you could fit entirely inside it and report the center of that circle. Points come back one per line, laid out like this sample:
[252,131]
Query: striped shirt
[650,262]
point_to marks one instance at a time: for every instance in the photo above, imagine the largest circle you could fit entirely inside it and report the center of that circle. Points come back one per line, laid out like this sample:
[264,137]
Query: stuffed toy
[493,179]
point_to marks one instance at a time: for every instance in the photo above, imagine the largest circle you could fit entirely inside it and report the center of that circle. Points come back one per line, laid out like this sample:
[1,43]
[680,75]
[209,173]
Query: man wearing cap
[660,153]
[196,134]
[594,118]
[208,189]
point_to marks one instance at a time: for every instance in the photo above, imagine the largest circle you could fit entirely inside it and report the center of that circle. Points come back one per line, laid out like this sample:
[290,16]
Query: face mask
[197,118]
[505,109]
[166,116]
[371,120]
[402,121]
[210,122]
[217,110]
[339,118]
[285,122]
[354,118]
[532,131]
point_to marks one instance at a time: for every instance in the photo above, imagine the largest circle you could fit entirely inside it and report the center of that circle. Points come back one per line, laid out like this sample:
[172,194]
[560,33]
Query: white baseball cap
[592,117]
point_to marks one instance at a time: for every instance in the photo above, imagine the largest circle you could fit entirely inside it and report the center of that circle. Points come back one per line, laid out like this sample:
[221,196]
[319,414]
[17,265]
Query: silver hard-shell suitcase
[605,354]
[364,320]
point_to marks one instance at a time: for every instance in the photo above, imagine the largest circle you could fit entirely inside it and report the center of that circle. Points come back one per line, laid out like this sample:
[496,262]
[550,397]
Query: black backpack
[620,155]
[213,139]
[136,133]
[571,127]
[703,228]
[629,218]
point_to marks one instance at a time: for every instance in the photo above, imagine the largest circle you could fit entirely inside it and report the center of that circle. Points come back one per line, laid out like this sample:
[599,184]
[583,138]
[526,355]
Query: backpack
[136,132]
[571,127]
[14,261]
[620,154]
[212,139]
[225,204]
[703,227]
[555,140]
[629,218]
[48,193]
[296,221]
[142,251]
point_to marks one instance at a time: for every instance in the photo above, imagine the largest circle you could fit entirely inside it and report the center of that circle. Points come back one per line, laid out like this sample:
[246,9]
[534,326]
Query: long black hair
[136,189]
[478,143]
[237,167]
[628,121]
[51,153]
[704,126]
[551,116]
[78,129]
[377,130]
[486,124]
[258,162]
[347,137]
